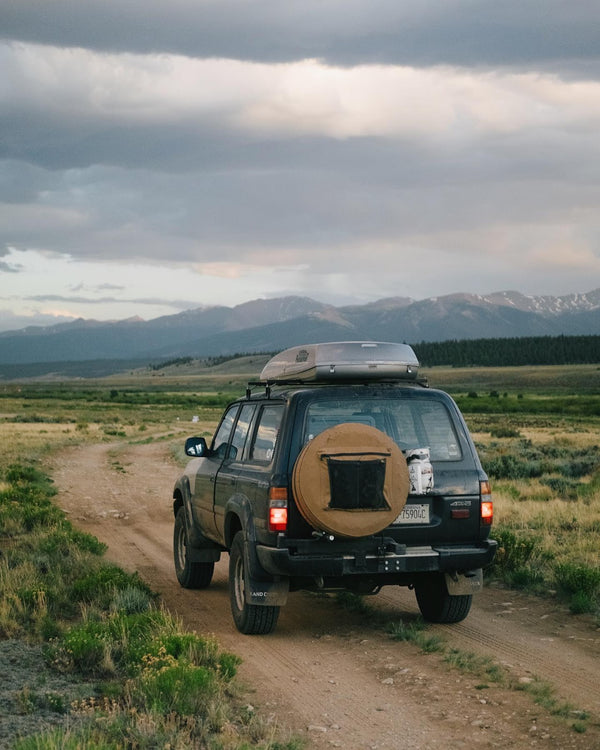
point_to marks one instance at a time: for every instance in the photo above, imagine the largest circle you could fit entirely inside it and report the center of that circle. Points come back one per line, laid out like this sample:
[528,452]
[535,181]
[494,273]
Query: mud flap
[259,587]
[206,554]
[460,584]
[267,593]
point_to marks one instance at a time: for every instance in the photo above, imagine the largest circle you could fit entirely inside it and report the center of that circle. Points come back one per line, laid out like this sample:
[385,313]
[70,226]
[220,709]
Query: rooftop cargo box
[343,360]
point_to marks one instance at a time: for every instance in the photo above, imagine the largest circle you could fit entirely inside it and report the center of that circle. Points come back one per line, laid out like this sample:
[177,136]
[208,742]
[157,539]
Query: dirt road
[330,675]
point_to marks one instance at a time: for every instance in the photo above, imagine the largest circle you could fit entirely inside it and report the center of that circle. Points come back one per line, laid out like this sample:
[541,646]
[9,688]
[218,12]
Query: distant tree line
[171,363]
[206,361]
[531,350]
[222,358]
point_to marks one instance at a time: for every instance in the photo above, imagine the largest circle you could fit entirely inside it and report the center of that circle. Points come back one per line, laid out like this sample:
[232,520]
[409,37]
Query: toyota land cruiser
[339,469]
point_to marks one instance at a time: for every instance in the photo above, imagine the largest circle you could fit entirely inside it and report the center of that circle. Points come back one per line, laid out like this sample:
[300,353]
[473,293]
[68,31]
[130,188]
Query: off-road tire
[250,619]
[435,602]
[191,575]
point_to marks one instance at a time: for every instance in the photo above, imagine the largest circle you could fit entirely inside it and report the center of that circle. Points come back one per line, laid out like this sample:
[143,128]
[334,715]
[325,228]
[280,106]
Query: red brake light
[278,512]
[487,505]
[460,513]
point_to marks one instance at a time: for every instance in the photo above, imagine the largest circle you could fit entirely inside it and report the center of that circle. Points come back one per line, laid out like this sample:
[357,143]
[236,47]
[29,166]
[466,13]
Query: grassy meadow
[538,433]
[537,430]
[154,684]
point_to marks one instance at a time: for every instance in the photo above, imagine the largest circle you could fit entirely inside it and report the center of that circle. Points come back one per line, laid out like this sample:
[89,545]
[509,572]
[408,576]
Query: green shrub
[123,643]
[512,491]
[579,467]
[130,600]
[508,466]
[28,474]
[87,737]
[581,582]
[177,688]
[415,633]
[582,603]
[504,431]
[523,460]
[82,648]
[64,540]
[188,646]
[517,558]
[525,576]
[482,666]
[25,503]
[566,489]
[406,631]
[228,664]
[100,586]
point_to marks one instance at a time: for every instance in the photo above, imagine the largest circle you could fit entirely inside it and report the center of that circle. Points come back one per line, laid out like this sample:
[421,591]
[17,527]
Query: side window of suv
[241,431]
[222,435]
[266,432]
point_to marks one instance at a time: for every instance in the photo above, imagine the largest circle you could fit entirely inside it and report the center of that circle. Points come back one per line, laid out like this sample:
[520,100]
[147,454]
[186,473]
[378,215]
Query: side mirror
[196,447]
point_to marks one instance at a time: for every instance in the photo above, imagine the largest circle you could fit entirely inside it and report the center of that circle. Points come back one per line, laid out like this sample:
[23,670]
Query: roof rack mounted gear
[342,361]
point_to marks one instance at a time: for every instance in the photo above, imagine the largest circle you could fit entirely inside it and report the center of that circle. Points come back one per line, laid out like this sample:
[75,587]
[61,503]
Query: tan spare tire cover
[350,480]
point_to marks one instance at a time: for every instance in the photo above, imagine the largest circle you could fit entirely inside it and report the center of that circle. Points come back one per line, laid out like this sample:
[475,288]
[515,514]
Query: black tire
[435,602]
[250,619]
[191,575]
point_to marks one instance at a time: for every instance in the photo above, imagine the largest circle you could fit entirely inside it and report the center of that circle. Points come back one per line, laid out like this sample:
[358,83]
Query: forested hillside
[533,350]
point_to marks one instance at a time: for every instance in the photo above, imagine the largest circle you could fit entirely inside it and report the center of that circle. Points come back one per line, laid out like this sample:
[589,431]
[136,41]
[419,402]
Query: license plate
[414,513]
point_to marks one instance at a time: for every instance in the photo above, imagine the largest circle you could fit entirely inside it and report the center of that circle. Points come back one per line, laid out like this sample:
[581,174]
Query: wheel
[435,602]
[191,575]
[351,480]
[250,619]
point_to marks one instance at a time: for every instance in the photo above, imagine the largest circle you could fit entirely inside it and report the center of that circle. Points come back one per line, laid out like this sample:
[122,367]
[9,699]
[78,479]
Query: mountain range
[267,325]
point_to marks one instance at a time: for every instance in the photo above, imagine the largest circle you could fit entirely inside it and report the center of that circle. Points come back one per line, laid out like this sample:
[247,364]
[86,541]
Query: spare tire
[350,480]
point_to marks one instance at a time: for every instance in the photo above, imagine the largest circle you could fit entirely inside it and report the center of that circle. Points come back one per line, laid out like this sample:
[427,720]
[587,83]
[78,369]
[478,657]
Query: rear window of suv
[411,423]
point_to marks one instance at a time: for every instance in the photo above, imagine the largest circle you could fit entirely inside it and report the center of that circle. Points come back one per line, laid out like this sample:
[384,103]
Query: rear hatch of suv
[443,503]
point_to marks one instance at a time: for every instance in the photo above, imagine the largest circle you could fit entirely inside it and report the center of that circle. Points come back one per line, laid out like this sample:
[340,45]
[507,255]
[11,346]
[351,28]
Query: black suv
[339,469]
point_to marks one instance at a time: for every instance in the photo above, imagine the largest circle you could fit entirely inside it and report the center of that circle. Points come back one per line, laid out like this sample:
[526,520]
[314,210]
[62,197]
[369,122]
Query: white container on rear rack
[420,471]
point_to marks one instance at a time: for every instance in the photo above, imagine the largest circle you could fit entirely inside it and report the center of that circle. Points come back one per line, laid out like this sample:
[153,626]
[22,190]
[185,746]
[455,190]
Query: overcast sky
[157,156]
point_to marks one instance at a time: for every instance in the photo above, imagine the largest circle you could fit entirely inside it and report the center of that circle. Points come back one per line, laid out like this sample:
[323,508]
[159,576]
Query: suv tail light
[487,506]
[278,511]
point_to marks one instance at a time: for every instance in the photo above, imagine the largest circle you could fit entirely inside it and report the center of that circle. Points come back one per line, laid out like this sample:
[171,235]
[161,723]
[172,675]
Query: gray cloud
[178,304]
[8,268]
[340,32]
[307,194]
[445,140]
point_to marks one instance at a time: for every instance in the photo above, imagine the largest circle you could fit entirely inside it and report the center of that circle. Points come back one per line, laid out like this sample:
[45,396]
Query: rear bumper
[370,557]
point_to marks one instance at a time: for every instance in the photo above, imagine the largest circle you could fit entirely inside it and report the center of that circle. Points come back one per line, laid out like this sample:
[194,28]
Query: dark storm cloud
[340,32]
[309,193]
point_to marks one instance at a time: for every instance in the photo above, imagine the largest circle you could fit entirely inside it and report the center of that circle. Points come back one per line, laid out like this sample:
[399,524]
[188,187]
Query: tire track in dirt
[326,673]
[557,648]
